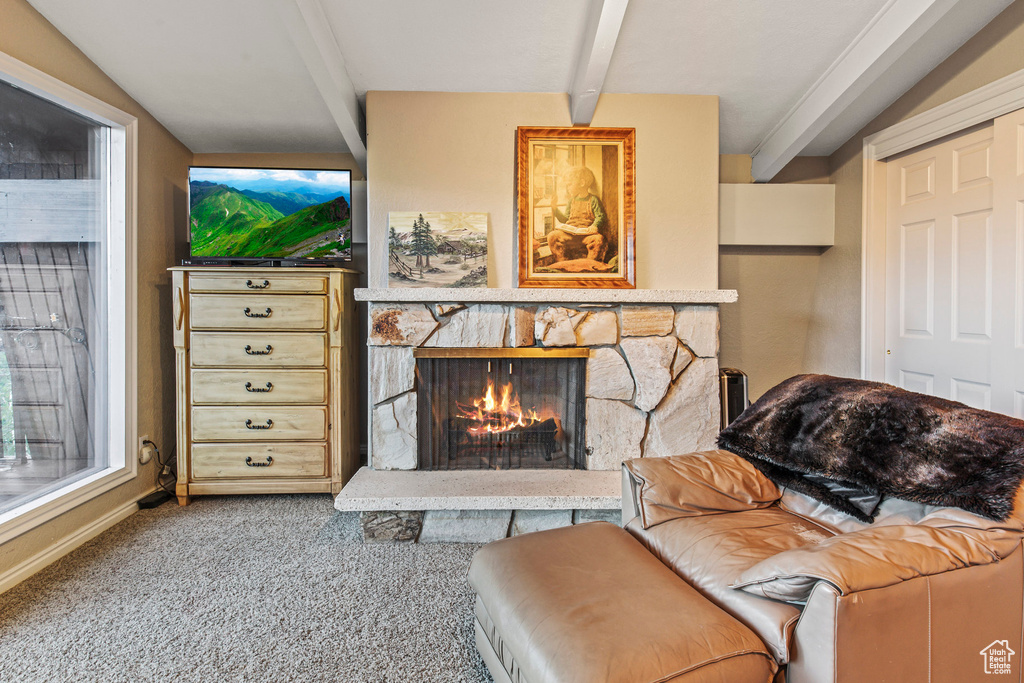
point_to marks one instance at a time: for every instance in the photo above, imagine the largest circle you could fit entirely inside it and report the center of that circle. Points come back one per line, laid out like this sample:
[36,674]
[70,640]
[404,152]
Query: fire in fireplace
[501,408]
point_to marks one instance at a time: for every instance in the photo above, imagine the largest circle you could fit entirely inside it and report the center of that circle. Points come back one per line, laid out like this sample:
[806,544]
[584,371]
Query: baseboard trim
[12,577]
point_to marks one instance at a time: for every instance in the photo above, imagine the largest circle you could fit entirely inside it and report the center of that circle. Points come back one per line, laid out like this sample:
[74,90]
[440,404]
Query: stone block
[615,431]
[400,324]
[683,359]
[392,372]
[478,326]
[391,525]
[697,327]
[647,321]
[442,310]
[650,361]
[584,516]
[521,326]
[465,526]
[528,521]
[394,434]
[688,419]
[608,375]
[556,326]
[598,328]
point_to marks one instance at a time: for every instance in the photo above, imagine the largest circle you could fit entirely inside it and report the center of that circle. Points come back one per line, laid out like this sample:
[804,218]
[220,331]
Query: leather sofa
[924,593]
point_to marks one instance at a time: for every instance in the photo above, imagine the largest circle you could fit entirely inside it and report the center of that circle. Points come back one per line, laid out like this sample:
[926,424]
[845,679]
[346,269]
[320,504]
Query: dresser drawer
[259,423]
[232,461]
[257,350]
[259,284]
[258,312]
[259,386]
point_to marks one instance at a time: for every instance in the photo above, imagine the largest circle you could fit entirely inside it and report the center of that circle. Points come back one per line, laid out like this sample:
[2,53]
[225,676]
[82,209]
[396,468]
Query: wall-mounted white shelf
[777,215]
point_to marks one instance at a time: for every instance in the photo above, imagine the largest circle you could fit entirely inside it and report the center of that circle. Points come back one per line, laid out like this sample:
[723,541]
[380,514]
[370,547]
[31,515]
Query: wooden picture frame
[576,207]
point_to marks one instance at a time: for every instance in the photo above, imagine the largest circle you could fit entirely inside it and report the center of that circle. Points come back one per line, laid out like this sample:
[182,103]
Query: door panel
[918,181]
[955,267]
[917,279]
[939,268]
[973,394]
[917,381]
[972,276]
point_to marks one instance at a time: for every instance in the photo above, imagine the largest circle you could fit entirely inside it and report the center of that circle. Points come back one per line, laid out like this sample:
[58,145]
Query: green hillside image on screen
[263,213]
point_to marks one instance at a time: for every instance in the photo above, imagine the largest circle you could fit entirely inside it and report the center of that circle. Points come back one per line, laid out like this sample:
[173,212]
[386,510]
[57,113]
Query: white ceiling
[229,76]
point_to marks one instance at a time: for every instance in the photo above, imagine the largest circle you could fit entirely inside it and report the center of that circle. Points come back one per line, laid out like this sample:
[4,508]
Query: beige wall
[834,336]
[282,160]
[765,333]
[163,163]
[799,310]
[456,152]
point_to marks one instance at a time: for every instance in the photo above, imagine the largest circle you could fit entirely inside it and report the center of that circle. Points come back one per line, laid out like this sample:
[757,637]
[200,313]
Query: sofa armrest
[938,624]
[876,557]
[630,497]
[702,483]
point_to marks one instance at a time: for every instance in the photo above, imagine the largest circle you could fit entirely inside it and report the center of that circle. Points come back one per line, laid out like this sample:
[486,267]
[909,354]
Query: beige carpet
[243,588]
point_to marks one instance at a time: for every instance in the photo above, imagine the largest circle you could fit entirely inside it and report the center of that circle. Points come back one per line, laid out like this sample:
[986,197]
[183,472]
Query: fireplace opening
[501,408]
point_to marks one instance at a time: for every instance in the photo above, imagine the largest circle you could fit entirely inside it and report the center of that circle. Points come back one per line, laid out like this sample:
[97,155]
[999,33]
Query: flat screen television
[269,215]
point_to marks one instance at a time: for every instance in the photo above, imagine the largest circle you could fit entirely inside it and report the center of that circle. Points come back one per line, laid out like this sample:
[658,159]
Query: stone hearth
[652,380]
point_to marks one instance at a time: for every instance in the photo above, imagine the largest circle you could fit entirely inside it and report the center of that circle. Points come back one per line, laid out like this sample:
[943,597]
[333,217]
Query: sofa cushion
[890,511]
[589,603]
[712,552]
[879,556]
[698,484]
[861,498]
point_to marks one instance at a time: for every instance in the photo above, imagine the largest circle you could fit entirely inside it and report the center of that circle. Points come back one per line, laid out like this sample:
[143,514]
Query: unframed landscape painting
[437,249]
[270,213]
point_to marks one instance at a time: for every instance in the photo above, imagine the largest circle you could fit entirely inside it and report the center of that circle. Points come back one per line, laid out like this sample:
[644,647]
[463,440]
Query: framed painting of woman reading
[576,207]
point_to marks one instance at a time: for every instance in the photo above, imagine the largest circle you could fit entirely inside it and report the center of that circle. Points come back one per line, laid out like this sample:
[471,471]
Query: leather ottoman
[590,604]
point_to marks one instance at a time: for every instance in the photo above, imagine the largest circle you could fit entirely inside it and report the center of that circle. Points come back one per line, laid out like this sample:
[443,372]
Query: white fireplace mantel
[553,296]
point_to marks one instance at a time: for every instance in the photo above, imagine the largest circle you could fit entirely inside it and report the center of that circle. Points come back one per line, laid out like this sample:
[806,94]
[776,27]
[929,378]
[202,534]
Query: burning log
[494,415]
[465,432]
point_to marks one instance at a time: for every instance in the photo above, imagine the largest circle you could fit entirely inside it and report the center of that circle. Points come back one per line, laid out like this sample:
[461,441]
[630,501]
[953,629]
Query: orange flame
[497,415]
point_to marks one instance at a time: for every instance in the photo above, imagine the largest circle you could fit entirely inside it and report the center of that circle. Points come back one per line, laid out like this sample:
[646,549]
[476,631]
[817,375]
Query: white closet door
[941,240]
[1008,293]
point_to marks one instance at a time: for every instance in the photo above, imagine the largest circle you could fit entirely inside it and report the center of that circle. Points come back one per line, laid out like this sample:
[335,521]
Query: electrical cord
[167,476]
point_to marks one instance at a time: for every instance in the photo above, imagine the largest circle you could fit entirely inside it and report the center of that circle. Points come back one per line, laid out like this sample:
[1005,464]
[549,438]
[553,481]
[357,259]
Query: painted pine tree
[423,244]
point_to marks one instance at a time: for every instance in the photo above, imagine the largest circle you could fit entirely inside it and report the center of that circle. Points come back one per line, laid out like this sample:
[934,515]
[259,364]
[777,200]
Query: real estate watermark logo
[997,657]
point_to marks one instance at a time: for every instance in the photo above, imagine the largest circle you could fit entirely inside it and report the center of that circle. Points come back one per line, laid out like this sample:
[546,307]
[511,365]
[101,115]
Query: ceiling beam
[603,26]
[895,29]
[311,33]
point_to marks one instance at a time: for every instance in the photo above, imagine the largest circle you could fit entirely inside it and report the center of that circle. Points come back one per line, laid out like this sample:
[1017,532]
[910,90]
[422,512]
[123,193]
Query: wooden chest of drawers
[266,380]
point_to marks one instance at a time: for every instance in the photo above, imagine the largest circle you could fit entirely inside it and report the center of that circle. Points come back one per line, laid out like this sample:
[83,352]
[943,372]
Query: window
[66,282]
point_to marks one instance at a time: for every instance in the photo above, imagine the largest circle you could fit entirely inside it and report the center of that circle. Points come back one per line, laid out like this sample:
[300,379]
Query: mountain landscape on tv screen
[230,223]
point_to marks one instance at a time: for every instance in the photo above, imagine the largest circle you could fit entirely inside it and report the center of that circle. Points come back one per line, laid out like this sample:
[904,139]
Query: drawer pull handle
[258,390]
[249,351]
[250,463]
[250,425]
[251,285]
[249,314]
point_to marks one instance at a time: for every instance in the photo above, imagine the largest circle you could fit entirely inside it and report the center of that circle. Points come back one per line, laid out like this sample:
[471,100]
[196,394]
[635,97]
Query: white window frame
[121,229]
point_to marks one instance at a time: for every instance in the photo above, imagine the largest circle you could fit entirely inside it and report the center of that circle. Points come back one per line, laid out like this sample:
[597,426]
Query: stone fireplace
[501,408]
[651,382]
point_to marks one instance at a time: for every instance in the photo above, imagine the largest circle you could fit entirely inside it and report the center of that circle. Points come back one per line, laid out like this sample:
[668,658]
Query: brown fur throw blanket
[879,438]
